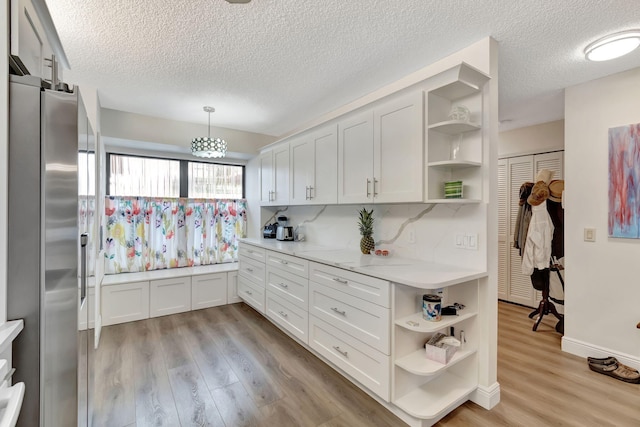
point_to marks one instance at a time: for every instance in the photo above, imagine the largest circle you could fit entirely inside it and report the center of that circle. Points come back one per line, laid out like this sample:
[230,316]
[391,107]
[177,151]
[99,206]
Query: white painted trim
[531,152]
[584,349]
[487,397]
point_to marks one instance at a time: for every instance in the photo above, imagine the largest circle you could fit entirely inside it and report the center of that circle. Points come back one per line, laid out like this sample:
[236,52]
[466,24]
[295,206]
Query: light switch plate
[589,234]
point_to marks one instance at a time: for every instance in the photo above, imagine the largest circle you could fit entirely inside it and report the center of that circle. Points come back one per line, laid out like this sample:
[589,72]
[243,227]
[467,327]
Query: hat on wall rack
[208,147]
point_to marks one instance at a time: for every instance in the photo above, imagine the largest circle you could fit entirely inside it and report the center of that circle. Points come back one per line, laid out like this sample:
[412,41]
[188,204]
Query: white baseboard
[584,349]
[487,397]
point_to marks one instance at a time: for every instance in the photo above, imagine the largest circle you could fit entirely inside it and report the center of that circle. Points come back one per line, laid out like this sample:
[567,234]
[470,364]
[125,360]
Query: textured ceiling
[270,66]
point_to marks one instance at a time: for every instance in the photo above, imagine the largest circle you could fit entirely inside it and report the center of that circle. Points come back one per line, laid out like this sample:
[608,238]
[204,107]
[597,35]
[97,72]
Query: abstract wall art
[624,181]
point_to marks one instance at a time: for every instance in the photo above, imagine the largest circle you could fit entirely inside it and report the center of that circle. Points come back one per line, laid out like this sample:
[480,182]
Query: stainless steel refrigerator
[43,239]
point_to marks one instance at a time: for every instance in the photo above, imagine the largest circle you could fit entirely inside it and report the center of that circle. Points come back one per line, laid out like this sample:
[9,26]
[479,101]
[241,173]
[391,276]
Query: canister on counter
[431,307]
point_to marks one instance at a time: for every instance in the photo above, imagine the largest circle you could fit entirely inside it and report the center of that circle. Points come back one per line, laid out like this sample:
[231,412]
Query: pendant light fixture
[206,146]
[613,46]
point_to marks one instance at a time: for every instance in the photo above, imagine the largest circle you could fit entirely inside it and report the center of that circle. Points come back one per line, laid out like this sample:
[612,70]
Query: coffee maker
[284,232]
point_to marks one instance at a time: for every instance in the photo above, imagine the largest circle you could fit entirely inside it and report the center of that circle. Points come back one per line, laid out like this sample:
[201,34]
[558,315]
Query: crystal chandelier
[206,146]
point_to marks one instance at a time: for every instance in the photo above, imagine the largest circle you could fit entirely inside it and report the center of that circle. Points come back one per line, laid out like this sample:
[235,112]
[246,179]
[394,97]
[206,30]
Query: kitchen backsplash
[418,231]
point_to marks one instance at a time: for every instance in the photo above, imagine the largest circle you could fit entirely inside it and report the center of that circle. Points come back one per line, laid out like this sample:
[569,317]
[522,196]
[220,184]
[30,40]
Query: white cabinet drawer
[368,366]
[368,288]
[125,303]
[288,263]
[208,290]
[252,270]
[252,252]
[169,296]
[294,289]
[288,316]
[251,293]
[361,319]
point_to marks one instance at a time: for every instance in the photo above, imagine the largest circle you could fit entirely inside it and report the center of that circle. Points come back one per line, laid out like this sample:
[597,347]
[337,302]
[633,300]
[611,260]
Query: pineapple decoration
[365,224]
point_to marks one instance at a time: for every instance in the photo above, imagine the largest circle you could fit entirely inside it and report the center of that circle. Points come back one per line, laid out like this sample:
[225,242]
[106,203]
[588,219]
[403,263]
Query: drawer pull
[250,270]
[283,262]
[339,280]
[284,285]
[249,251]
[340,312]
[283,314]
[249,292]
[344,353]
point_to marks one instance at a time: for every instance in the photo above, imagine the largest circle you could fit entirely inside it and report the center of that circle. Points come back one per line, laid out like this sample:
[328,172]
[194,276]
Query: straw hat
[544,175]
[556,187]
[539,193]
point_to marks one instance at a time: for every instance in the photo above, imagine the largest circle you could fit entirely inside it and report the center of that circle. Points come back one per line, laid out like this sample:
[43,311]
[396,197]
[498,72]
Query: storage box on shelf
[423,388]
[455,146]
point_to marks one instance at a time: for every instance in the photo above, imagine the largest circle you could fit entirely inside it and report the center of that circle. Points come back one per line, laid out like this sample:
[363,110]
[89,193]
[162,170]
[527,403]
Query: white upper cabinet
[28,38]
[314,167]
[274,176]
[398,150]
[380,153]
[355,159]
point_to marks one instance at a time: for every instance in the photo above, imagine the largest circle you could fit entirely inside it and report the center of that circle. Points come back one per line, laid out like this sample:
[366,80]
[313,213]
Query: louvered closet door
[503,229]
[520,290]
[555,163]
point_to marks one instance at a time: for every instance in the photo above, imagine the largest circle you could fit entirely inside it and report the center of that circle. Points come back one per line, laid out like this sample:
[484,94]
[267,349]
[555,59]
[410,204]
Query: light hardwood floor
[228,366]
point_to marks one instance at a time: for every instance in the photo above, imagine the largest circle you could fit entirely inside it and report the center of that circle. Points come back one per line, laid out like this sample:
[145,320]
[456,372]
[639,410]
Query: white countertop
[406,271]
[9,331]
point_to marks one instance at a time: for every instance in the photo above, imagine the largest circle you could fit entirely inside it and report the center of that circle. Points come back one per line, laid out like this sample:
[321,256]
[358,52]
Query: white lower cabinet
[208,290]
[356,359]
[288,316]
[232,288]
[125,303]
[169,296]
[251,293]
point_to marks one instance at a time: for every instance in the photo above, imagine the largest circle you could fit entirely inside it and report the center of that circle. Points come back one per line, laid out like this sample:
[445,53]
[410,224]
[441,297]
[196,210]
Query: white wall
[532,139]
[603,301]
[137,127]
[4,167]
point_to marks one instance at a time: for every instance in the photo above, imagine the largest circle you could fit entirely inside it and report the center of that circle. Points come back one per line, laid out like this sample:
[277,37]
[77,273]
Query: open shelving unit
[409,322]
[455,147]
[418,364]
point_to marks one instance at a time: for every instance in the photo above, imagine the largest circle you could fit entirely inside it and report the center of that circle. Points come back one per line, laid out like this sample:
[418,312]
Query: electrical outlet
[589,234]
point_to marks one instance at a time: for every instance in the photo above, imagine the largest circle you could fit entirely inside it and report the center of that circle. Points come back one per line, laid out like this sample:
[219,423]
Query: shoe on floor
[617,371]
[608,361]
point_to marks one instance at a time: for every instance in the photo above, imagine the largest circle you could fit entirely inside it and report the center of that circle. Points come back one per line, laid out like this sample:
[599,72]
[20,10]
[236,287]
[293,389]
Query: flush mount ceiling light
[613,46]
[207,147]
[238,1]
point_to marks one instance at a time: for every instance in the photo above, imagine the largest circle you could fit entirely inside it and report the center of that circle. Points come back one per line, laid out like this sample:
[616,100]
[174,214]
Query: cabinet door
[280,194]
[355,159]
[302,170]
[28,38]
[398,150]
[324,187]
[266,177]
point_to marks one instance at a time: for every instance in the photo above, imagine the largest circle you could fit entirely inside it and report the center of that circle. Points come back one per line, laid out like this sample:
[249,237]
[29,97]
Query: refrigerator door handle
[84,238]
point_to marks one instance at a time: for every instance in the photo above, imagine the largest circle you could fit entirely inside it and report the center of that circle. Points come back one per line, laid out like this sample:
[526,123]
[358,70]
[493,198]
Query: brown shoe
[617,371]
[608,361]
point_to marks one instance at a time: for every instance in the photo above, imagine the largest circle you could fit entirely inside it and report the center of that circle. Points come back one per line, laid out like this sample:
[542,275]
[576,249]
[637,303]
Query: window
[207,180]
[143,176]
[137,176]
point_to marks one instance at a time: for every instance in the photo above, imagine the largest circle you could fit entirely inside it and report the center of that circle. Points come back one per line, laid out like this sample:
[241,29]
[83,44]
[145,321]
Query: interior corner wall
[532,139]
[4,155]
[602,294]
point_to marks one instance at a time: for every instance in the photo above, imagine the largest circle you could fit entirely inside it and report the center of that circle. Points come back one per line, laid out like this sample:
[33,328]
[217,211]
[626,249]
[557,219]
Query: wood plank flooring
[228,366]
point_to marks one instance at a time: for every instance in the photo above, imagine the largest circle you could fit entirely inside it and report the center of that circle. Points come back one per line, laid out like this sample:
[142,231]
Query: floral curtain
[144,234]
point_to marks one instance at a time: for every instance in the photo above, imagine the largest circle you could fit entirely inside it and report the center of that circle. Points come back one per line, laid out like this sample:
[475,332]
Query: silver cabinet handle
[249,251]
[340,312]
[283,262]
[250,270]
[84,239]
[306,192]
[310,190]
[368,192]
[339,280]
[283,314]
[342,352]
[249,292]
[284,285]
[375,193]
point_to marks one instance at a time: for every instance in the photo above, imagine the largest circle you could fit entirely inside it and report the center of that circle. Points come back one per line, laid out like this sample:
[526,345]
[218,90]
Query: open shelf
[438,397]
[456,90]
[454,201]
[418,364]
[428,326]
[454,127]
[454,164]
